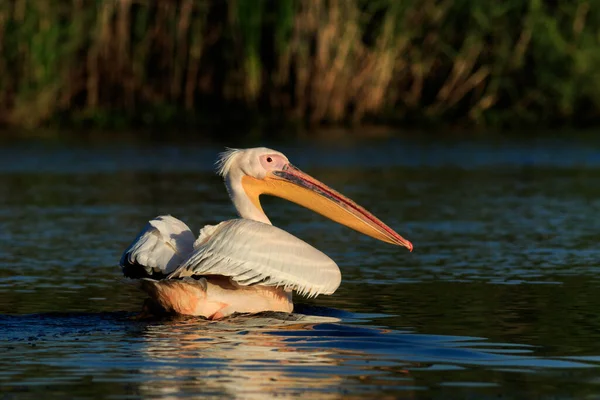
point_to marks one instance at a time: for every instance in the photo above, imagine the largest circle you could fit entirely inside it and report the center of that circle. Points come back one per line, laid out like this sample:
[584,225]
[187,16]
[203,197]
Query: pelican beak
[294,185]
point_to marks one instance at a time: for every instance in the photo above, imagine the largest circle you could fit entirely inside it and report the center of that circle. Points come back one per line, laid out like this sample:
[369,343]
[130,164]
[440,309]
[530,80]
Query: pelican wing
[251,252]
[158,249]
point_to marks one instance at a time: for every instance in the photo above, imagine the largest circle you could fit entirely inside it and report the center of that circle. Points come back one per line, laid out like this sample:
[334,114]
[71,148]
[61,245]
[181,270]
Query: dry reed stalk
[20,7]
[388,46]
[305,25]
[162,39]
[4,86]
[123,51]
[183,26]
[336,80]
[474,80]
[461,70]
[580,17]
[521,47]
[194,56]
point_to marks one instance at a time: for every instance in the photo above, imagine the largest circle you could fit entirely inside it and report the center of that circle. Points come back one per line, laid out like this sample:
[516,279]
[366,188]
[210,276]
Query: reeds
[316,61]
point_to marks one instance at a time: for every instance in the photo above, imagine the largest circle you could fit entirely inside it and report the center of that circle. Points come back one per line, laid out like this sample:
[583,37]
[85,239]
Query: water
[499,299]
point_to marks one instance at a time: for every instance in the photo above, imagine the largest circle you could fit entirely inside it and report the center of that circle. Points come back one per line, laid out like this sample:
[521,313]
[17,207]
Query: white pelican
[245,265]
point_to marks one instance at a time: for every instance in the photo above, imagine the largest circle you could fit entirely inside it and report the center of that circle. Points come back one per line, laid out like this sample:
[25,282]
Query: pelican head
[249,173]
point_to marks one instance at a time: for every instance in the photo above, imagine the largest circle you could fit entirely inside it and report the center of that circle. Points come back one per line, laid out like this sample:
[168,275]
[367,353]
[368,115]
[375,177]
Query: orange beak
[294,185]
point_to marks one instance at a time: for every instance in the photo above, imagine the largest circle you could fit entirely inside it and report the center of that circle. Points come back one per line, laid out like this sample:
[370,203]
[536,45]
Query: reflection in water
[272,355]
[219,358]
[254,357]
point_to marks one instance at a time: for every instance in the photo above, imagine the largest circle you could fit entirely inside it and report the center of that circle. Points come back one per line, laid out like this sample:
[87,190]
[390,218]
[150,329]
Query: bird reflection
[251,357]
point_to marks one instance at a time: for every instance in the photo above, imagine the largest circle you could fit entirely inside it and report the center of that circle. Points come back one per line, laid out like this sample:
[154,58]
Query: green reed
[467,62]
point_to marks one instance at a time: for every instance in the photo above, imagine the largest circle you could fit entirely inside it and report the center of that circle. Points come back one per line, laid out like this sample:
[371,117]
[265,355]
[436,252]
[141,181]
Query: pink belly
[215,297]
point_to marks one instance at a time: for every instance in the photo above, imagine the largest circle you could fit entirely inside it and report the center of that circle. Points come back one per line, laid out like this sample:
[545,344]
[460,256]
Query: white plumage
[163,244]
[251,252]
[246,251]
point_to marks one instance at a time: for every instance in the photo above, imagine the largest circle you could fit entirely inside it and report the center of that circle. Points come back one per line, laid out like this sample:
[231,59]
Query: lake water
[500,298]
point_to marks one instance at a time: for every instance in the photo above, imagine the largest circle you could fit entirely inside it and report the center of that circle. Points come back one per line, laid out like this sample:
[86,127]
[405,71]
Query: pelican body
[245,265]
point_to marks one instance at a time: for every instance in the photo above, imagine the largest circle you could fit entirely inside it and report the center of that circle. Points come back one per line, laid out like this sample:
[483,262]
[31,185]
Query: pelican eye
[269,159]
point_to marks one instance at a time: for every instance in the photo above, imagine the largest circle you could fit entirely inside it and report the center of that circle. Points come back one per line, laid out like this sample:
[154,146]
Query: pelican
[245,265]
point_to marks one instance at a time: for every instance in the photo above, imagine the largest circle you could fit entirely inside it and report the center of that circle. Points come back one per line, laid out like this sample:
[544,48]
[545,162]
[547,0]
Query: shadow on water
[318,350]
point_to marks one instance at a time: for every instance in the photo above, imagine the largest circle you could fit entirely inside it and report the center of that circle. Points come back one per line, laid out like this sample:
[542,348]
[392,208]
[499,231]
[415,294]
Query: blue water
[498,299]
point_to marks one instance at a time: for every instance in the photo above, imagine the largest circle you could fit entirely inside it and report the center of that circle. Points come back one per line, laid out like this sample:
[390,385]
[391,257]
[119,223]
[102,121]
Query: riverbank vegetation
[310,62]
